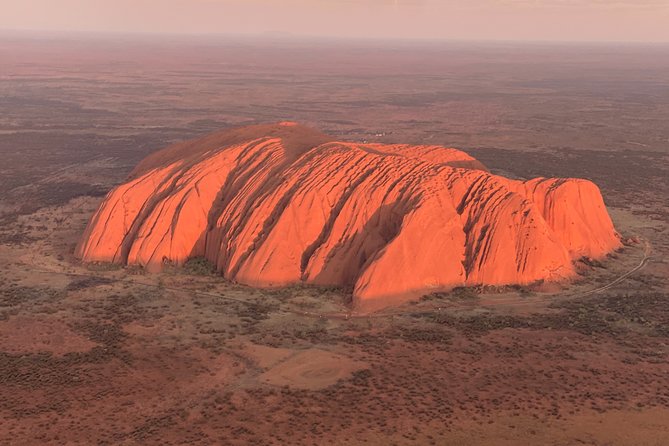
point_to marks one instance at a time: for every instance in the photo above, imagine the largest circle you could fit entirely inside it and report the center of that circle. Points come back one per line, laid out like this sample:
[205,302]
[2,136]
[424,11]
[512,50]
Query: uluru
[280,204]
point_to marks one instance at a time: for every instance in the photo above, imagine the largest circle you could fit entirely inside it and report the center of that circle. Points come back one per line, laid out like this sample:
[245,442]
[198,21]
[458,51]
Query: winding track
[351,315]
[646,258]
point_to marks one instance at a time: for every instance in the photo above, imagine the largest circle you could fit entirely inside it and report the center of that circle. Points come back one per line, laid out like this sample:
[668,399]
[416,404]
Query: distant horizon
[305,38]
[561,21]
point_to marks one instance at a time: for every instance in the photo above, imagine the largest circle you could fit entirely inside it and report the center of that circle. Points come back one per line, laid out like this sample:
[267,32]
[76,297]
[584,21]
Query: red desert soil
[23,335]
[279,204]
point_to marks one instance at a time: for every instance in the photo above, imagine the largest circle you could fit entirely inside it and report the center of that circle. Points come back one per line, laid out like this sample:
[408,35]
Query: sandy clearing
[311,369]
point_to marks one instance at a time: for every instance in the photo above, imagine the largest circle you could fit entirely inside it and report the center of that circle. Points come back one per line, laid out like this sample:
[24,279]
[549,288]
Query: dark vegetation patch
[199,266]
[117,309]
[13,295]
[103,266]
[16,238]
[318,291]
[430,334]
[56,193]
[613,315]
[87,282]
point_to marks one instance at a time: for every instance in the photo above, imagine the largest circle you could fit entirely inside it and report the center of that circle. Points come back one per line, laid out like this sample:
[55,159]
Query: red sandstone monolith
[274,205]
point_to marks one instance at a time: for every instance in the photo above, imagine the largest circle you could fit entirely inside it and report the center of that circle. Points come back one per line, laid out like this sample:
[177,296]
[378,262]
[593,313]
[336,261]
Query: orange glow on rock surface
[274,205]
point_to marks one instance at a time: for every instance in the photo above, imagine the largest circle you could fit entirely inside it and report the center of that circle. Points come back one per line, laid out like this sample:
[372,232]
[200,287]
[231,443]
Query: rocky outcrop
[274,205]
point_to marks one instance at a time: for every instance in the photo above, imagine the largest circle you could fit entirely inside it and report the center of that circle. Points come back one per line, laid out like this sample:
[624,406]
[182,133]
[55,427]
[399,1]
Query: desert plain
[96,353]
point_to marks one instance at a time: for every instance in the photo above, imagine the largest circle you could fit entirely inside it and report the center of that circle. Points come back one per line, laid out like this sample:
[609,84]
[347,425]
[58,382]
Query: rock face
[274,205]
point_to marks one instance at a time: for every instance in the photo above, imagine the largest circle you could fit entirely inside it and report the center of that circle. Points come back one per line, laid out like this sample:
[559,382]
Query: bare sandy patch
[311,369]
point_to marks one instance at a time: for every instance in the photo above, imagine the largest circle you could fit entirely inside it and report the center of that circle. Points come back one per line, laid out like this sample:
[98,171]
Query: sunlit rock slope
[273,205]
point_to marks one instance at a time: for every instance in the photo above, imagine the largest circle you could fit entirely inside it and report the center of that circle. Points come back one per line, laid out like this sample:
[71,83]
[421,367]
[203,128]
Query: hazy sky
[562,20]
